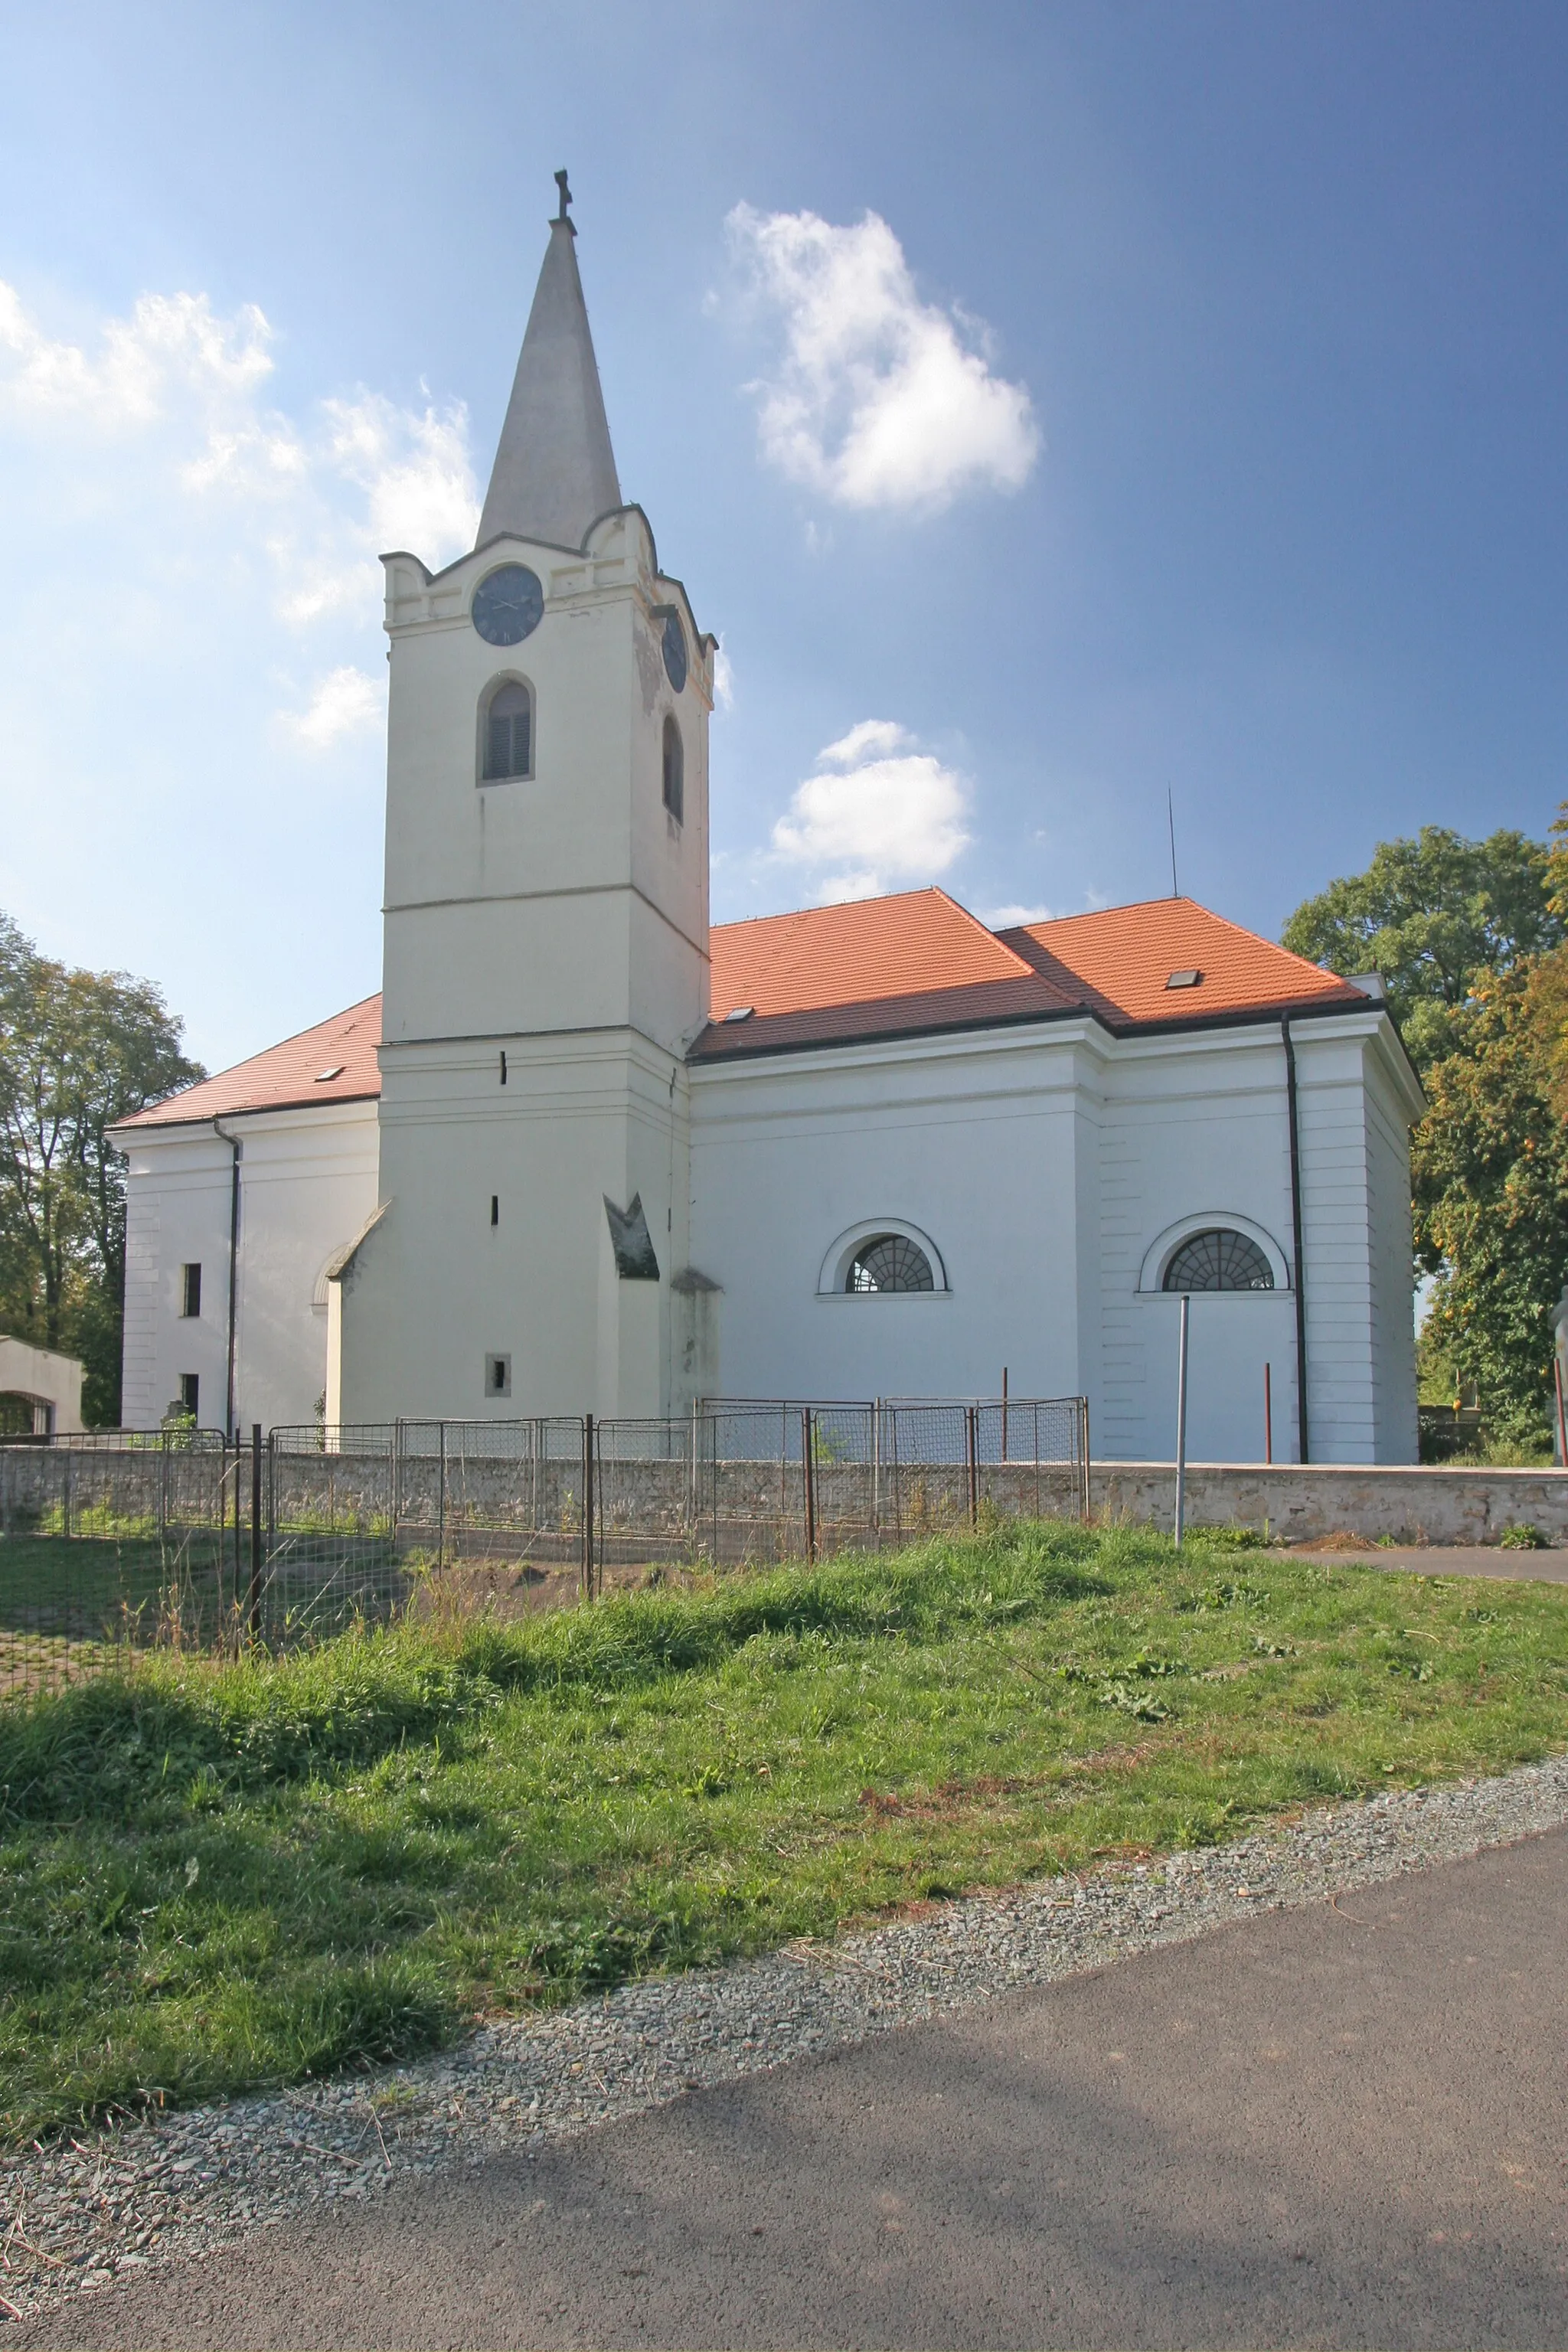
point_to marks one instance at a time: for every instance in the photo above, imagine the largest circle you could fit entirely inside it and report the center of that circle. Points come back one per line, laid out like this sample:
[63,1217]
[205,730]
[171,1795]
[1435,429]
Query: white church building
[588,1152]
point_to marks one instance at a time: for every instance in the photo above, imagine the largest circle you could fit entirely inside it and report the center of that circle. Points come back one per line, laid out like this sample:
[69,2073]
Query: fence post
[971,1451]
[253,1610]
[808,1472]
[66,1497]
[441,1499]
[588,1575]
[1182,1422]
[877,1470]
[163,1487]
[1084,1455]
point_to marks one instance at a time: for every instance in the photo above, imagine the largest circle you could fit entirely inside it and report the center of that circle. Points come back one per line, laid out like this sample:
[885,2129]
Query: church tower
[545,939]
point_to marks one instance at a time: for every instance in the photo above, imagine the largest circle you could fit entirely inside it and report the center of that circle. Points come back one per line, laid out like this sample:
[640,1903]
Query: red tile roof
[879,967]
[287,1076]
[1121,962]
[887,966]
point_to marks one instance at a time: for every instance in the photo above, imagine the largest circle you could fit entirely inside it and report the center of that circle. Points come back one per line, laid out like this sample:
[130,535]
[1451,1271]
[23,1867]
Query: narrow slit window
[190,1292]
[674,772]
[503,1065]
[509,735]
[495,1208]
[190,1394]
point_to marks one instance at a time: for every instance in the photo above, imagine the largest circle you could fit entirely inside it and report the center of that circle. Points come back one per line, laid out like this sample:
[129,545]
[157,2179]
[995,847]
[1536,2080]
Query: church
[587,1152]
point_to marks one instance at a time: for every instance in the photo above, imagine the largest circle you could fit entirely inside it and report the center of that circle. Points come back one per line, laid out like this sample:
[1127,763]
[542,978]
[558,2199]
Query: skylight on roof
[740,1013]
[1190,979]
[335,1072]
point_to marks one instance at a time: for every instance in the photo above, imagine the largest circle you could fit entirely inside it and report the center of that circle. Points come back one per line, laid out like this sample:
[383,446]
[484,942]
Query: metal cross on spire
[565,197]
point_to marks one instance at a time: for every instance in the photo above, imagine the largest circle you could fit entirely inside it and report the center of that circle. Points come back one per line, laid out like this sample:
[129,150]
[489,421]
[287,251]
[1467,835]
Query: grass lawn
[224,1876]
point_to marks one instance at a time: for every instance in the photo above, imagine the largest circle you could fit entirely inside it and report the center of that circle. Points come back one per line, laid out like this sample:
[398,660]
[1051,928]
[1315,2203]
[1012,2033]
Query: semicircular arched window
[509,734]
[1219,1259]
[890,1262]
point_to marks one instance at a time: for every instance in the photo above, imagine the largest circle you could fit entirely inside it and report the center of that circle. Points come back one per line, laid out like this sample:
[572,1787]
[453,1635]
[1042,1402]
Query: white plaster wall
[436,1289]
[1045,1166]
[307,1181]
[569,899]
[975,1145]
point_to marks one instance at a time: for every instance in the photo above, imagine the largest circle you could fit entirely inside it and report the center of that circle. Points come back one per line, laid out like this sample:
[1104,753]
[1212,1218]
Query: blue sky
[1047,406]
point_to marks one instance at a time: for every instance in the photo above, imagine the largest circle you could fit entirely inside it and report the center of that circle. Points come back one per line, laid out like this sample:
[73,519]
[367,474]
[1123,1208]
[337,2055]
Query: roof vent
[1184,980]
[740,1012]
[335,1072]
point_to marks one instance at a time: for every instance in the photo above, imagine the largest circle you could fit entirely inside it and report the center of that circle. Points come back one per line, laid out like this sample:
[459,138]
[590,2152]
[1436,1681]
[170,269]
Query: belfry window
[1220,1259]
[508,734]
[890,1262]
[674,772]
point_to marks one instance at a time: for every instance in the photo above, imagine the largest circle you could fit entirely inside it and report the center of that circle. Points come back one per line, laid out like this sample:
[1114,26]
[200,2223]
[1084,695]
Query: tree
[1490,1168]
[78,1051]
[1437,916]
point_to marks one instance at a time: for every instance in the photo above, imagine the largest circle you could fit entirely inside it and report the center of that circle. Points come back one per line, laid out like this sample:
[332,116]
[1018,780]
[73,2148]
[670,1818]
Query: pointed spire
[554,469]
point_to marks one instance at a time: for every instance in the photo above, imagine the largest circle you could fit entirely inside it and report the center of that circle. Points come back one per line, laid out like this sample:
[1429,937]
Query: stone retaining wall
[1414,1504]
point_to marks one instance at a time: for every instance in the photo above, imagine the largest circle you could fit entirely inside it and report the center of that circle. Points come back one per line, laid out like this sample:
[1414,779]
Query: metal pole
[1085,1452]
[1268,1413]
[588,1579]
[1004,1412]
[971,1450]
[441,1497]
[253,1611]
[1182,1422]
[877,1469]
[1562,1424]
[809,1476]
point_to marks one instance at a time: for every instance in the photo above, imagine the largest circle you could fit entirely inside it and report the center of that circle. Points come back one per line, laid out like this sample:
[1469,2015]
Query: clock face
[509,605]
[674,651]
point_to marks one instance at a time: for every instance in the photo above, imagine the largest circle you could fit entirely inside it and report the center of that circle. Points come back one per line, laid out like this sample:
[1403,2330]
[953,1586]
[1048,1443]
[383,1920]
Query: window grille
[890,1261]
[509,735]
[1220,1259]
[190,1291]
[674,772]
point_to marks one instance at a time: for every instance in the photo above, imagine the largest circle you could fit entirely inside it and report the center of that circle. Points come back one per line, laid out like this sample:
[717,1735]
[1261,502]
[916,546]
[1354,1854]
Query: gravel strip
[73,2218]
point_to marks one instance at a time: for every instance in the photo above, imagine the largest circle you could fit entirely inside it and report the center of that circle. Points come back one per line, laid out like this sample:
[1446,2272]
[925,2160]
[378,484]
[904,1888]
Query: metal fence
[132,1539]
[180,1539]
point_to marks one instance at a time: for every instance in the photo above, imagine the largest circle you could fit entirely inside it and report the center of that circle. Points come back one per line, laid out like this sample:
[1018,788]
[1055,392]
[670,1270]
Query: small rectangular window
[497,1376]
[503,1065]
[190,1291]
[495,1208]
[190,1394]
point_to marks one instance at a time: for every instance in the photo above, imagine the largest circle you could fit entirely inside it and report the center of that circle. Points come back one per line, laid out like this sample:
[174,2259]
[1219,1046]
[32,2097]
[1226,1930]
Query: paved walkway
[1340,2126]
[1450,1559]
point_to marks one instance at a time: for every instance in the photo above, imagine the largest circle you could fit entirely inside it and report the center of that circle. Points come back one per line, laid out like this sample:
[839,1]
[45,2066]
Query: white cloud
[880,812]
[345,702]
[1006,918]
[319,499]
[185,528]
[171,345]
[878,399]
[723,679]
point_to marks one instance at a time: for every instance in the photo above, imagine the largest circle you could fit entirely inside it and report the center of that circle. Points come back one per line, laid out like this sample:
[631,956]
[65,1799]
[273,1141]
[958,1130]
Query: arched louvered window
[890,1262]
[1220,1259]
[508,734]
[674,772]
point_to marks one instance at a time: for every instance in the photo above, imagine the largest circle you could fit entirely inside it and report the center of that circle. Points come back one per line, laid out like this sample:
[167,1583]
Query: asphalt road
[1343,2127]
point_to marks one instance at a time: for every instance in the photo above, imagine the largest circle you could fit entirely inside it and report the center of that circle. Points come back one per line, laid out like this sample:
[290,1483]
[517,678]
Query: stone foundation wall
[1414,1506]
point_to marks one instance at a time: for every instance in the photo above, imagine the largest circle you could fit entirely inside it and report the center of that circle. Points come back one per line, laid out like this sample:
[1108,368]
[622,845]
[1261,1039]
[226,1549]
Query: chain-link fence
[115,1542]
[178,1538]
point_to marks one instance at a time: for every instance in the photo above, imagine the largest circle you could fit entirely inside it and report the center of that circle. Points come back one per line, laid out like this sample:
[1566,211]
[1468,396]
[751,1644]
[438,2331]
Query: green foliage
[221,1877]
[1435,916]
[78,1051]
[1490,1168]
